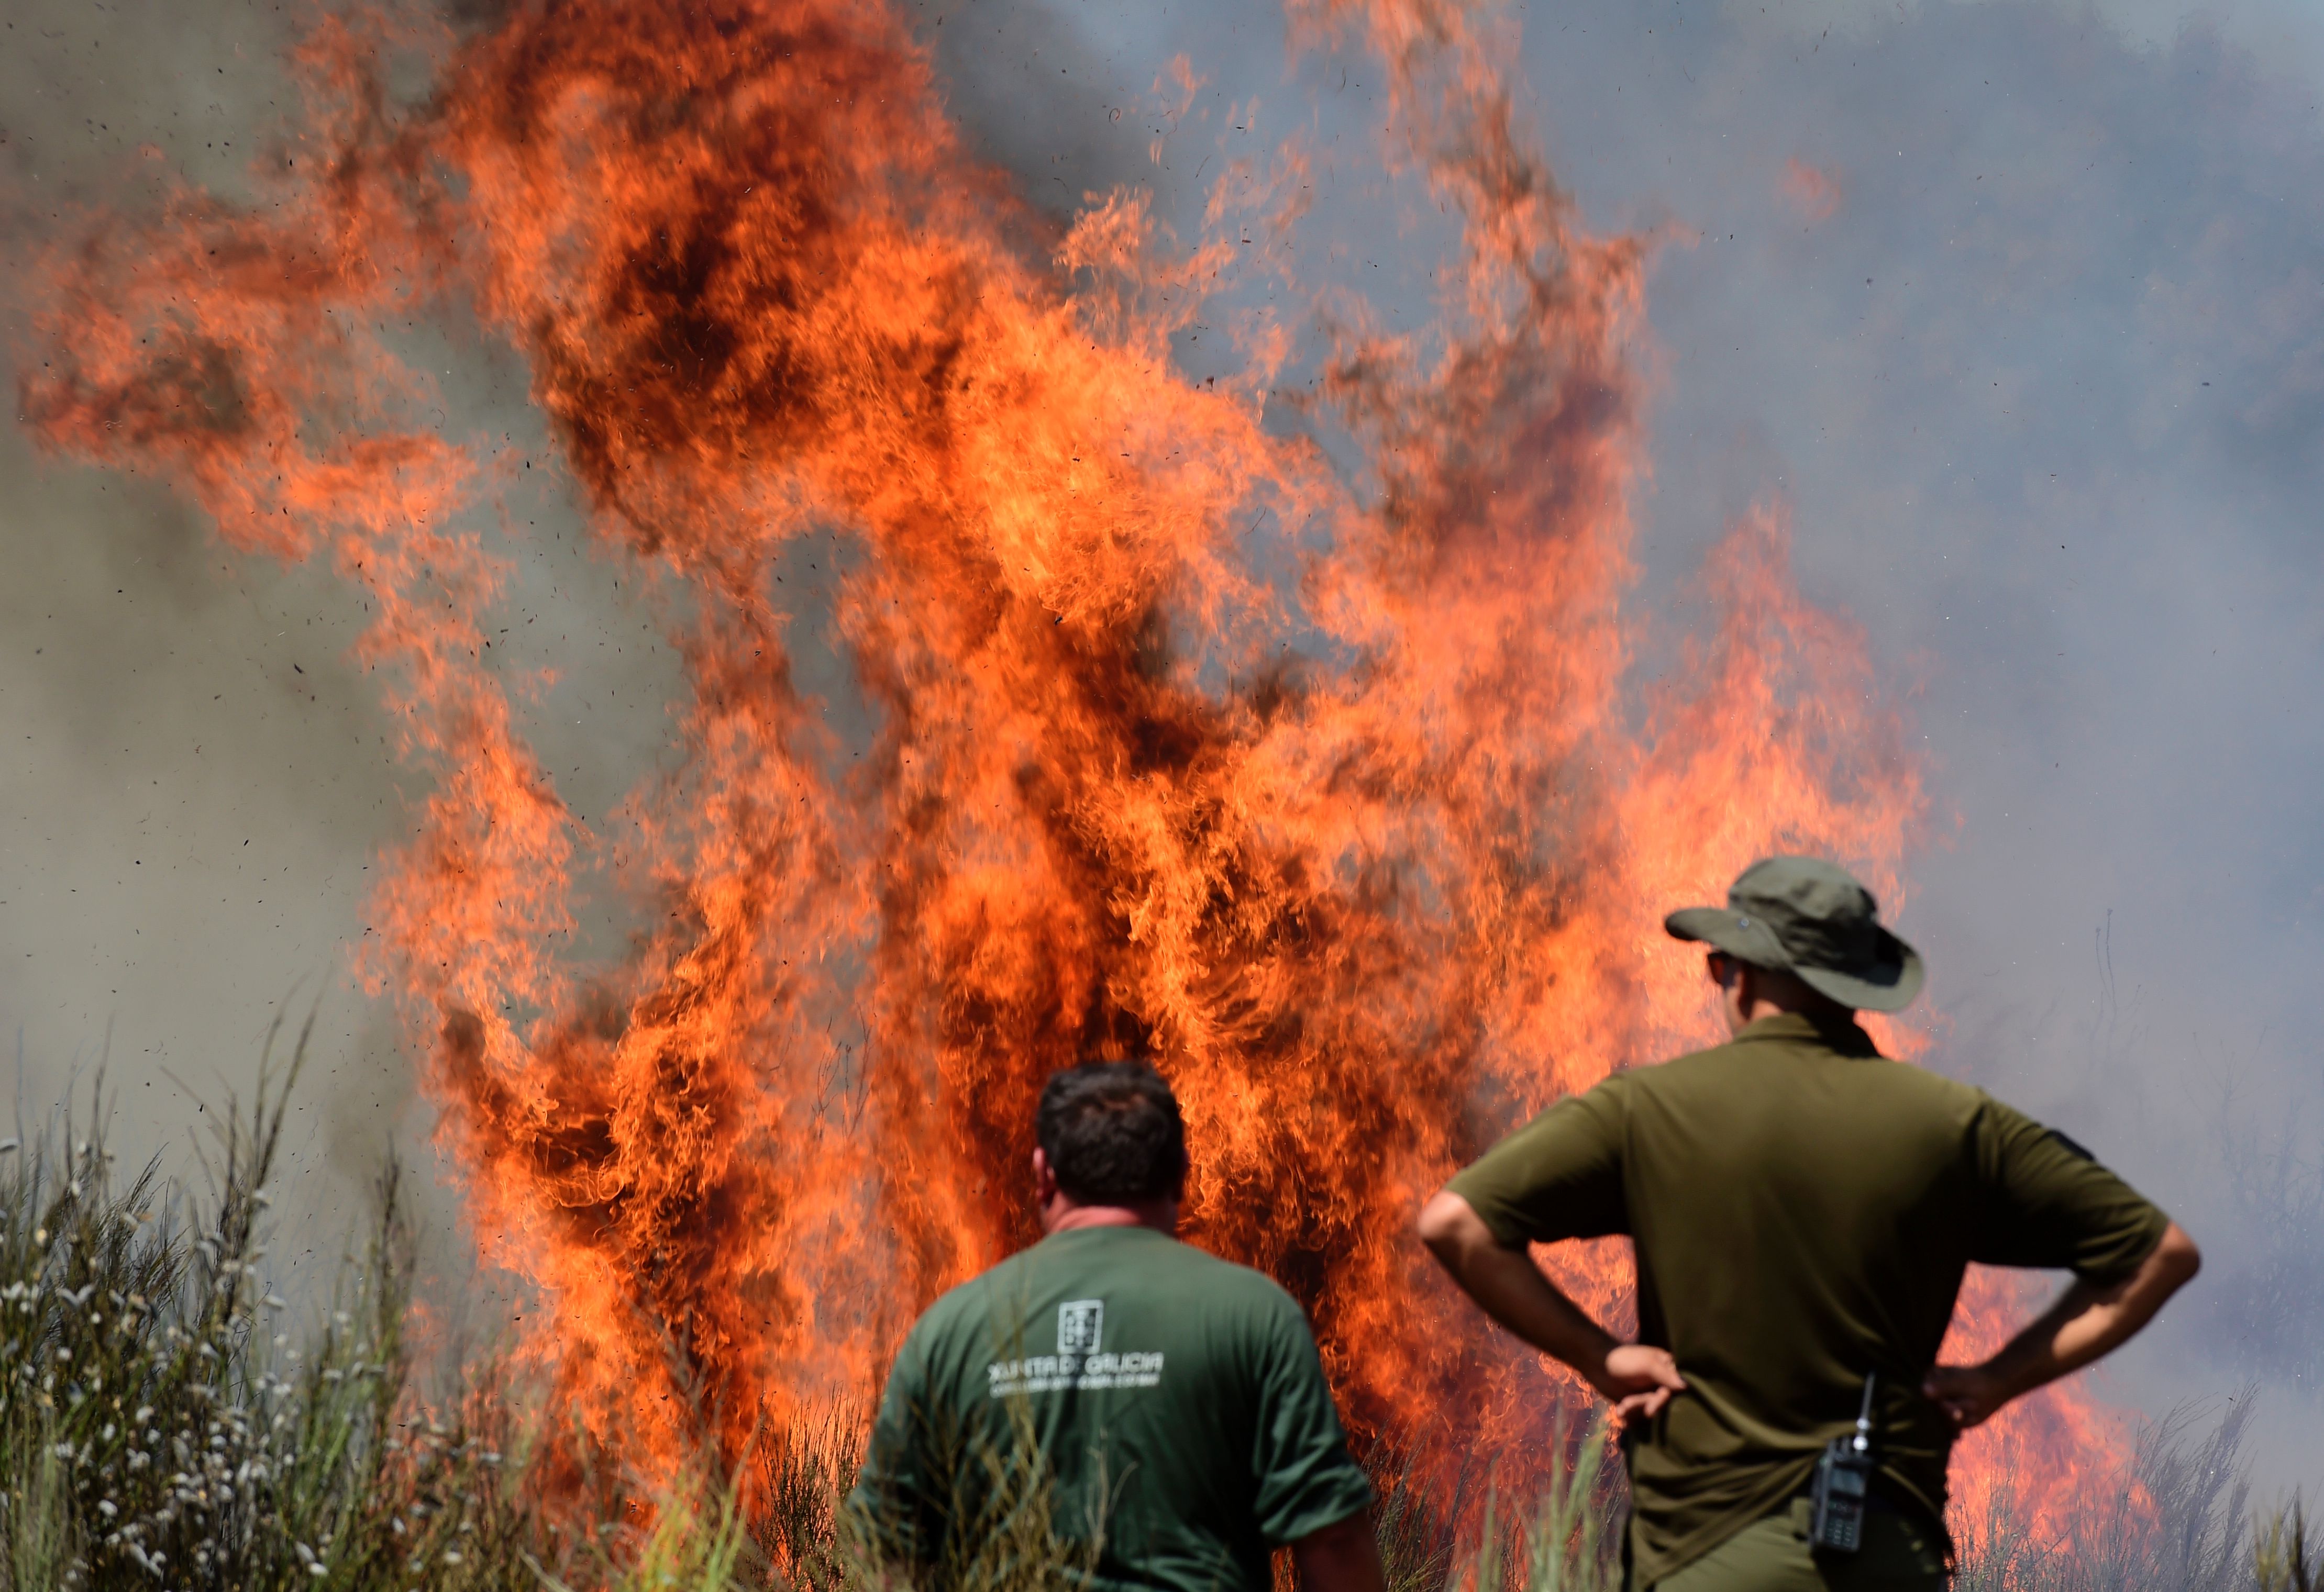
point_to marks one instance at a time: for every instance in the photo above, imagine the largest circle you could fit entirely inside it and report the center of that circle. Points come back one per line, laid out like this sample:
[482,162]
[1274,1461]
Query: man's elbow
[1448,1224]
[1341,1557]
[2177,1258]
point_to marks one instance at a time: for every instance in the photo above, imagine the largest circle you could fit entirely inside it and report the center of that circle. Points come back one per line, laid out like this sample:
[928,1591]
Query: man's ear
[1044,1178]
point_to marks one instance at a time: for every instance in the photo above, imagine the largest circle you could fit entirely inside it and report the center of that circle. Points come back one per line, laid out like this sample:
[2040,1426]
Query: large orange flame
[1318,784]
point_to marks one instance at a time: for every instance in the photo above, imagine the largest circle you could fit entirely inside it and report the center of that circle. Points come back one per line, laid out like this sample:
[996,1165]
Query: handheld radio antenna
[1842,1486]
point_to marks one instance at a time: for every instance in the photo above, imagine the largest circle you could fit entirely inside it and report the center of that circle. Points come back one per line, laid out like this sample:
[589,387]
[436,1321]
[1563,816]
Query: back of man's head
[1112,1134]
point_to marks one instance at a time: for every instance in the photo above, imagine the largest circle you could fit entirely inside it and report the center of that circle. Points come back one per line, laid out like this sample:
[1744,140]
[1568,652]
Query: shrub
[160,1425]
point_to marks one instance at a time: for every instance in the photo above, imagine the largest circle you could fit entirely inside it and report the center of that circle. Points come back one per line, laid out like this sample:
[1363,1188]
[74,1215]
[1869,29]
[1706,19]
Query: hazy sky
[2017,306]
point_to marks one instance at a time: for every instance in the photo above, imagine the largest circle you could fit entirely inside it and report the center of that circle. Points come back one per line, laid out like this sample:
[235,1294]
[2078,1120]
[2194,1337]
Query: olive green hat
[1808,917]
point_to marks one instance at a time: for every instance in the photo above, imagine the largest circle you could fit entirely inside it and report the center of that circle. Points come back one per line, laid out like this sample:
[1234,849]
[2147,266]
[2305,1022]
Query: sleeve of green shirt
[1306,1478]
[1559,1176]
[2047,1204]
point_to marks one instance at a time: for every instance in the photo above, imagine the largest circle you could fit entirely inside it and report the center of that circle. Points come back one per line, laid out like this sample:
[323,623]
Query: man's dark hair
[1112,1133]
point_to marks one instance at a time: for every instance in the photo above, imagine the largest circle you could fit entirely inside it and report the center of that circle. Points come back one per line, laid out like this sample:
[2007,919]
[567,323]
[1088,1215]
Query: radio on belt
[1843,1481]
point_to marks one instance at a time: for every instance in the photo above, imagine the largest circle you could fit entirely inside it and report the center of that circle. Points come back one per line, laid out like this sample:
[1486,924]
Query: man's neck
[1063,1215]
[1824,1014]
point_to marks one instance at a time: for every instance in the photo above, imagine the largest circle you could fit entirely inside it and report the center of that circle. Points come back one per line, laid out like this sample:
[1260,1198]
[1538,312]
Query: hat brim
[1889,984]
[1748,938]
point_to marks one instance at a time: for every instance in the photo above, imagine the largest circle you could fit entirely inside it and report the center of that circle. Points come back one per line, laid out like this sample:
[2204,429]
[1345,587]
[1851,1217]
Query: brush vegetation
[167,1425]
[164,1423]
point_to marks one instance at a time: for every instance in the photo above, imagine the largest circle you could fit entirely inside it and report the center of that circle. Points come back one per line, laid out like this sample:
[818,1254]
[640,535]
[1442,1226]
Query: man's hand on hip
[1640,1379]
[1967,1394]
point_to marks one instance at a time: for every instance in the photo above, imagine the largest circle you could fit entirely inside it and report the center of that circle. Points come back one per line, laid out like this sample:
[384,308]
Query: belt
[1875,1500]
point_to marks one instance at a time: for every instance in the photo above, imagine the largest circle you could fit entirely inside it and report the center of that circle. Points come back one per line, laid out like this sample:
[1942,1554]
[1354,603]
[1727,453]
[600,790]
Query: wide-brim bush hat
[1811,917]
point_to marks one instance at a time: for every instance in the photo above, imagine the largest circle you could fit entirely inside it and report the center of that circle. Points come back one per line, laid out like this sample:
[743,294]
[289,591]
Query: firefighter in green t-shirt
[1801,1210]
[1174,1401]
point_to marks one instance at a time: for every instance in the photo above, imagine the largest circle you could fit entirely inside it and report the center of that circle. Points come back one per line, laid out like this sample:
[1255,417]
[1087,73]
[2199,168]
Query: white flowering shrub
[167,1422]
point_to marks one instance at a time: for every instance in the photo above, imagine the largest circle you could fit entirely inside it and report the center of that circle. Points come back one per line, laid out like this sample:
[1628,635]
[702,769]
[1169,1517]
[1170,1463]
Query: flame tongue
[1368,855]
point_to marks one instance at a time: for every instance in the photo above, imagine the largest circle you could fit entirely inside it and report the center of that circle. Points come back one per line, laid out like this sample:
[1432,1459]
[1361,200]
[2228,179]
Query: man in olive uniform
[1178,1399]
[1801,1210]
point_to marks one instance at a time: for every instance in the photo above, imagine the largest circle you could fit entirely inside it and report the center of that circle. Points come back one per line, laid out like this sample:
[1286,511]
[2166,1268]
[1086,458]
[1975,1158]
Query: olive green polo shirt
[1802,1210]
[1176,1397]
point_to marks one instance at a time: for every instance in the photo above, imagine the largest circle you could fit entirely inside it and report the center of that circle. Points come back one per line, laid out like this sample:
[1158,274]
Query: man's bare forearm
[1508,1287]
[2085,1324]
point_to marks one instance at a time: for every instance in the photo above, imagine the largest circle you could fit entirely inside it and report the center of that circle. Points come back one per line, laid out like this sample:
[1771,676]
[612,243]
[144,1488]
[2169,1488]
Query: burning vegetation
[1273,726]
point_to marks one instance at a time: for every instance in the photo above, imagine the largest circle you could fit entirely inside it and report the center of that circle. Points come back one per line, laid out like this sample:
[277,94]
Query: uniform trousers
[1900,1554]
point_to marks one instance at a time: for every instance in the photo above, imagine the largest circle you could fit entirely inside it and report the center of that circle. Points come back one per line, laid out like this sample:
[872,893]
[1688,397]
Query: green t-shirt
[1183,1389]
[1802,1210]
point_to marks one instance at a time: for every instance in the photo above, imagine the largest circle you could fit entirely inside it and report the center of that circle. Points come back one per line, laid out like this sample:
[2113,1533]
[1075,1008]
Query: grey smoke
[199,780]
[2042,394]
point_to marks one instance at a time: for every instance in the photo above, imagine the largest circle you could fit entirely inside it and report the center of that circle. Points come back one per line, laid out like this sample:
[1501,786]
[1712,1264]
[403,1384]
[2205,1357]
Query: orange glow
[1812,191]
[1349,821]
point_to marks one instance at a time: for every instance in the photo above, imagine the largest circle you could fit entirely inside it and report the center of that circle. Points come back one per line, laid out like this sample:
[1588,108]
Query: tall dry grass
[2180,1518]
[167,1424]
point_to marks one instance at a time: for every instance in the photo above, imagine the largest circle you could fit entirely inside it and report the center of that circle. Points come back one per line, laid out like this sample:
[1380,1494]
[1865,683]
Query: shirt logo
[1079,1326]
[1077,1364]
